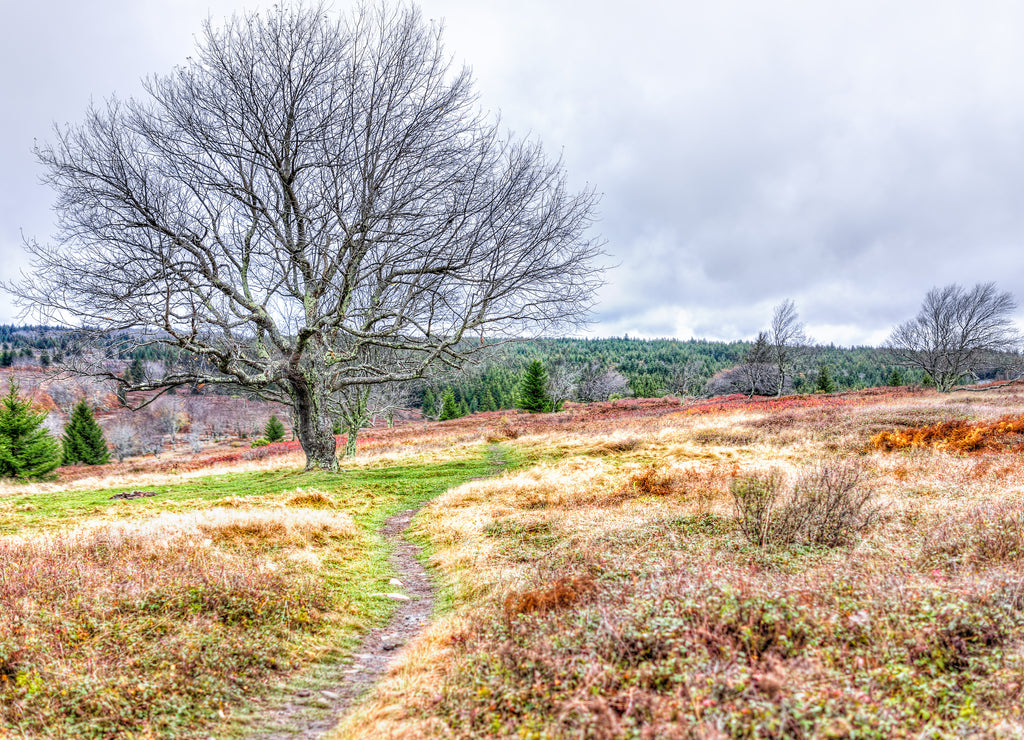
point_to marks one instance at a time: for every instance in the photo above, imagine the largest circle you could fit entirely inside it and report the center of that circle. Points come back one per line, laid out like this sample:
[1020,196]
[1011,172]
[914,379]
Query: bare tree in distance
[788,338]
[759,369]
[304,193]
[956,333]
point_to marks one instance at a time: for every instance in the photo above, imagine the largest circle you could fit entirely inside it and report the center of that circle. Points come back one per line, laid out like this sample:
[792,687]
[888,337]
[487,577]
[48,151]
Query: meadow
[604,585]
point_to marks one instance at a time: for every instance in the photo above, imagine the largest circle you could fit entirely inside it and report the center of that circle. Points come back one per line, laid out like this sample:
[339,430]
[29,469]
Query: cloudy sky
[848,155]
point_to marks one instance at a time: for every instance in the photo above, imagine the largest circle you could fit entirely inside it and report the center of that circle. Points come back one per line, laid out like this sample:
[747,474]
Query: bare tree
[758,369]
[122,438]
[956,333]
[596,383]
[301,194]
[563,380]
[685,379]
[787,337]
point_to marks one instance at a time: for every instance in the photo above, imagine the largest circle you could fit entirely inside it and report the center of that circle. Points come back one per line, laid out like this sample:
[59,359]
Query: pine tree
[449,408]
[274,430]
[83,438]
[896,377]
[825,384]
[429,403]
[533,393]
[27,450]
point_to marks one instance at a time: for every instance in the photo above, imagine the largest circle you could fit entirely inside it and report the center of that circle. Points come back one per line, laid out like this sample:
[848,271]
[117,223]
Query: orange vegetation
[1001,435]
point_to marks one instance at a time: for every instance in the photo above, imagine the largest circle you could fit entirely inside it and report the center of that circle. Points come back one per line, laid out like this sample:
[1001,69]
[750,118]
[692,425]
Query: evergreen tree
[825,384]
[429,403]
[896,377]
[27,450]
[449,407]
[83,438]
[533,393]
[135,372]
[487,402]
[274,430]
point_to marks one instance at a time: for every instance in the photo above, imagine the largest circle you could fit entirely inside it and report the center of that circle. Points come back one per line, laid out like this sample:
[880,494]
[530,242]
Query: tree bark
[314,427]
[351,434]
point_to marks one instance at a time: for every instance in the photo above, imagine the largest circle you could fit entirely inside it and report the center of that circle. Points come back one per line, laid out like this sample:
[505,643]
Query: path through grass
[157,616]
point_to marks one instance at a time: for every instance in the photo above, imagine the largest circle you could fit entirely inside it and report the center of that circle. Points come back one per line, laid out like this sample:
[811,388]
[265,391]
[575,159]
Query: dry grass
[138,628]
[610,593]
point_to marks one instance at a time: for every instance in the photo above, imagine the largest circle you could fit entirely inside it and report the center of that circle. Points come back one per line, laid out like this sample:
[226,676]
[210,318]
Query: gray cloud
[848,155]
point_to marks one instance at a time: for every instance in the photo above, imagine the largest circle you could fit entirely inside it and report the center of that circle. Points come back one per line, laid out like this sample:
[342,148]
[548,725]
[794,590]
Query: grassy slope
[154,616]
[591,603]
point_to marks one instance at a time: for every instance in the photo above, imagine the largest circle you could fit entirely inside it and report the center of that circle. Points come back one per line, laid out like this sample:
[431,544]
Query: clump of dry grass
[312,499]
[561,593]
[617,445]
[503,431]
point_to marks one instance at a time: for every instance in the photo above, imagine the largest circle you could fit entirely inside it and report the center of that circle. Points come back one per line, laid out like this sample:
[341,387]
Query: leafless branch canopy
[788,338]
[956,333]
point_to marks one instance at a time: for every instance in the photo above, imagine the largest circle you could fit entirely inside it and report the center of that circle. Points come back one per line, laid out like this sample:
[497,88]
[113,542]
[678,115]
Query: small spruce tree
[825,384]
[274,430]
[27,450]
[83,438]
[449,406]
[533,393]
[896,377]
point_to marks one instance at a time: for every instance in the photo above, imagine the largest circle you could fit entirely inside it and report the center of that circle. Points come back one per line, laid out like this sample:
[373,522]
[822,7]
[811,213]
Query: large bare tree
[956,333]
[307,196]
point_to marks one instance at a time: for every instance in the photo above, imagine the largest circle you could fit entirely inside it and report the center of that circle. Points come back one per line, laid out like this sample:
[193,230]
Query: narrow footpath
[309,713]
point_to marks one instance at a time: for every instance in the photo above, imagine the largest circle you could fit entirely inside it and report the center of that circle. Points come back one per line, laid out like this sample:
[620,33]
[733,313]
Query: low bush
[827,505]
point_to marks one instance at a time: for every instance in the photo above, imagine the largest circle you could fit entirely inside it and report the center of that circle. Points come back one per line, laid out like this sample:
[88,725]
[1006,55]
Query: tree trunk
[313,424]
[351,434]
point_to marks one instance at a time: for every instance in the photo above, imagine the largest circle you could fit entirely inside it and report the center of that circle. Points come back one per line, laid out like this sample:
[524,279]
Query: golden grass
[635,496]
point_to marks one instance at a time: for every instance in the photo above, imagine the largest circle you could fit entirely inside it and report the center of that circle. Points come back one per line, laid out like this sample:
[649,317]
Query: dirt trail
[308,713]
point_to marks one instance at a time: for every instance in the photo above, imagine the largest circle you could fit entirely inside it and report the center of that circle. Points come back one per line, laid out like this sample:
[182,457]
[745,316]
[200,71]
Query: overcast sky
[846,154]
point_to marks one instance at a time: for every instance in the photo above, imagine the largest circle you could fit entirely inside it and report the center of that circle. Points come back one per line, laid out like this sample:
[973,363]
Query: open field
[602,588]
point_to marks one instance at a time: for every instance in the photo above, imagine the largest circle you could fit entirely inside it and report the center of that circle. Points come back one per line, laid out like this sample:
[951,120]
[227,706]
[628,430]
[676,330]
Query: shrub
[830,505]
[561,593]
[754,497]
[651,482]
[261,442]
[827,505]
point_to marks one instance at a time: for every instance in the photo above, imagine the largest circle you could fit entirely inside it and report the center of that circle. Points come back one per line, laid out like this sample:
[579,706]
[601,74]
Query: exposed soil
[309,712]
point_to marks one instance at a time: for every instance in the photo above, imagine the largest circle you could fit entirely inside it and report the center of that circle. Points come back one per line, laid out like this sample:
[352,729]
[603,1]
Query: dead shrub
[650,482]
[827,505]
[830,505]
[558,594]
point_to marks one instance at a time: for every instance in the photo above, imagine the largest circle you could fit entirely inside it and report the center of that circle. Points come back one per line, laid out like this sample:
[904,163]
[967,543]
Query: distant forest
[579,369]
[646,368]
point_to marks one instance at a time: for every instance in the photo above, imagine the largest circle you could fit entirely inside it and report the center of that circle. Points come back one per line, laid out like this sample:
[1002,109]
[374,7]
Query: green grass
[137,644]
[387,489]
